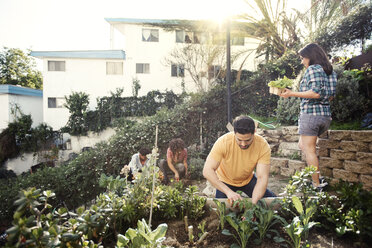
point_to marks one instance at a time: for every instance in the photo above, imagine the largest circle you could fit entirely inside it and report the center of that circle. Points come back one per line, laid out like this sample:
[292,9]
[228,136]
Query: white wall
[4,111]
[79,142]
[29,105]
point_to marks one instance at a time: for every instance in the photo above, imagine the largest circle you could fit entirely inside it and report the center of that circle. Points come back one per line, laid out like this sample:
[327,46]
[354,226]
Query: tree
[353,29]
[199,60]
[18,68]
[270,25]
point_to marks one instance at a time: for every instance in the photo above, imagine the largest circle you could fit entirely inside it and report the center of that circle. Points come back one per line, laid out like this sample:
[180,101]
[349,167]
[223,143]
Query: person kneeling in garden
[176,161]
[138,161]
[231,163]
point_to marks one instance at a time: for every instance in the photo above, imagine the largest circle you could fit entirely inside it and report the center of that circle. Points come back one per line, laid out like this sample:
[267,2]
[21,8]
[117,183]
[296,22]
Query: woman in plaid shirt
[317,89]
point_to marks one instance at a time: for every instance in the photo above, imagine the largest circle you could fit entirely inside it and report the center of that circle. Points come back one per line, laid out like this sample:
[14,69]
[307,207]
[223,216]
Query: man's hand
[233,196]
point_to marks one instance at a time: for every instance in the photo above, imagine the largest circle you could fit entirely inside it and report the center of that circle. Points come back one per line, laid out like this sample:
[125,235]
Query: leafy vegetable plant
[281,83]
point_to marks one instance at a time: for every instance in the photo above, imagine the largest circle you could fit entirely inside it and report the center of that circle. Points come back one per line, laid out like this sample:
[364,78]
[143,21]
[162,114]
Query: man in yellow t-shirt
[231,163]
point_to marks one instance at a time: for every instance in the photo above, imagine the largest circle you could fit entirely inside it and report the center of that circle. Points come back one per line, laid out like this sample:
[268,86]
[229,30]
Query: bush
[349,103]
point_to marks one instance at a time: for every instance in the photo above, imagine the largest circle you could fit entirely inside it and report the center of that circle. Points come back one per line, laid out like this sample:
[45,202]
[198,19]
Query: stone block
[370,147]
[330,163]
[291,138]
[291,130]
[277,164]
[339,135]
[271,140]
[287,172]
[289,148]
[366,180]
[322,152]
[364,157]
[328,143]
[363,136]
[296,165]
[342,155]
[357,167]
[327,172]
[273,133]
[345,175]
[354,146]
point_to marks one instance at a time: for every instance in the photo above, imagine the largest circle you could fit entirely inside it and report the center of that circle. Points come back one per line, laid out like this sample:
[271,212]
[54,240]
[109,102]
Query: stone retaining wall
[347,155]
[343,154]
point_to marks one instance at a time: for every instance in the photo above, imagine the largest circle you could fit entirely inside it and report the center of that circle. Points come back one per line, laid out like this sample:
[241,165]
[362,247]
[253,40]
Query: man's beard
[245,147]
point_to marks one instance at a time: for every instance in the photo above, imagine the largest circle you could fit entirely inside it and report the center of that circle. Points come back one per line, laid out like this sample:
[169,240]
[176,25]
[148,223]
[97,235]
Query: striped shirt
[318,81]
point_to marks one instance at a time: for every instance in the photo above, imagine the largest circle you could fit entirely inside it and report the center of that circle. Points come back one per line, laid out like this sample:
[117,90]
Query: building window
[56,102]
[213,71]
[187,37]
[56,66]
[178,70]
[114,68]
[150,35]
[142,68]
[237,41]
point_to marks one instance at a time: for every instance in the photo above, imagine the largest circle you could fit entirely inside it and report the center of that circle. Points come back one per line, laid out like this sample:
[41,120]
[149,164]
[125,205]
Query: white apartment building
[143,55]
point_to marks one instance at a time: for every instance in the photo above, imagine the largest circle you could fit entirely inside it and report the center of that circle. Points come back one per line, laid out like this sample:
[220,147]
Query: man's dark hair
[144,151]
[176,145]
[243,125]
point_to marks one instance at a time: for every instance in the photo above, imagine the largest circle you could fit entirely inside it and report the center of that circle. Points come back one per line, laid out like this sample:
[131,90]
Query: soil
[177,235]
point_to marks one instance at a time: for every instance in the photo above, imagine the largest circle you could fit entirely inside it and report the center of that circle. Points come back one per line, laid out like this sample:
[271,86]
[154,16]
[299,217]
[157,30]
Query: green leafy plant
[221,212]
[143,236]
[300,226]
[266,219]
[244,227]
[281,83]
[192,204]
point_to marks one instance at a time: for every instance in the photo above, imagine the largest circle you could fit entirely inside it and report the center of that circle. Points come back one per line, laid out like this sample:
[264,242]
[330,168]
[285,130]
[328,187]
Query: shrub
[349,103]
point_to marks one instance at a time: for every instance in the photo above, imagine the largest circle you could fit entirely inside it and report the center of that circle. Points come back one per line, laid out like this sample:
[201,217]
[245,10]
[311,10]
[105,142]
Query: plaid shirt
[318,81]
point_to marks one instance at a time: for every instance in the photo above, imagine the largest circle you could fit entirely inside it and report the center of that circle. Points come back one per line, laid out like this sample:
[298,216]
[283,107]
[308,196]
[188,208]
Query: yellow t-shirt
[237,165]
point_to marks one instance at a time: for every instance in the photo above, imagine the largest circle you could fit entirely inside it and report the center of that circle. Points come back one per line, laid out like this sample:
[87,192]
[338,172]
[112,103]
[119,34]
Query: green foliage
[349,103]
[192,204]
[18,68]
[354,29]
[143,236]
[114,107]
[288,110]
[20,137]
[244,227]
[348,212]
[136,86]
[221,212]
[77,104]
[299,201]
[195,168]
[266,219]
[281,83]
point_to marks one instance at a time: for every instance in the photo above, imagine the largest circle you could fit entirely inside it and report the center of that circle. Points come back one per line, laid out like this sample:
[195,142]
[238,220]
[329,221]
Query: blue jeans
[247,189]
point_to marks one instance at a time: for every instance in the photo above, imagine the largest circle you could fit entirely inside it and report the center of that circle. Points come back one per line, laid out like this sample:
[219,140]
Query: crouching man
[231,163]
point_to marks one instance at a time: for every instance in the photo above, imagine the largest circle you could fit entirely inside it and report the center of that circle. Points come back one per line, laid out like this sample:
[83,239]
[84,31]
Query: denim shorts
[313,125]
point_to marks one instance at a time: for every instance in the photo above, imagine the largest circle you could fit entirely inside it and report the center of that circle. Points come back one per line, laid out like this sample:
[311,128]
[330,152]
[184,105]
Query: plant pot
[276,91]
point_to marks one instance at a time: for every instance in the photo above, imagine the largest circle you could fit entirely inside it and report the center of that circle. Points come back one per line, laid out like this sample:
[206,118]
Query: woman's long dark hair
[317,56]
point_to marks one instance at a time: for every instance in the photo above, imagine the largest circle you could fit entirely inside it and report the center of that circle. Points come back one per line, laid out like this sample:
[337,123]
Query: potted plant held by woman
[278,86]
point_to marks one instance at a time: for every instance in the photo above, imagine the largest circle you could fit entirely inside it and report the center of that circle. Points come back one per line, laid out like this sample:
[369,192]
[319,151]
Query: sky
[51,25]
